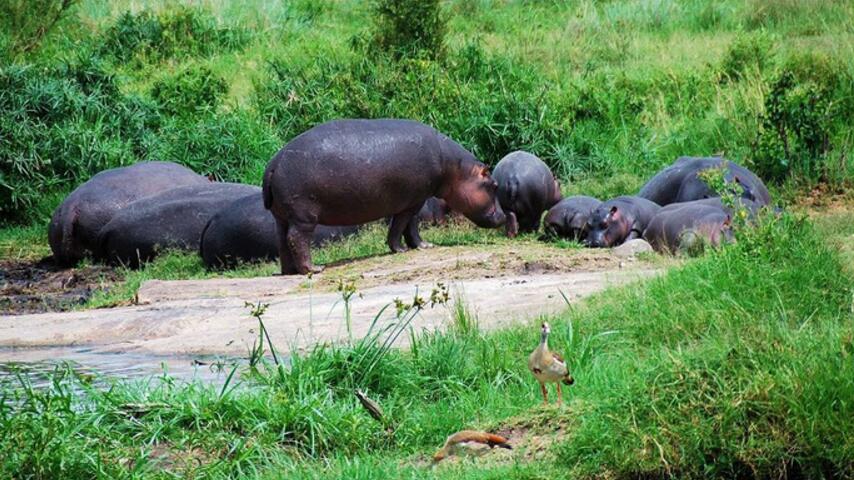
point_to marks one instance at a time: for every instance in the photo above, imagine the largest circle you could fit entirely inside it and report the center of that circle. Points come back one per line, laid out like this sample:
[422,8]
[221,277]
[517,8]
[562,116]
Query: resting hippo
[434,212]
[73,230]
[680,182]
[245,231]
[618,220]
[687,226]
[172,219]
[349,172]
[526,189]
[751,208]
[568,218]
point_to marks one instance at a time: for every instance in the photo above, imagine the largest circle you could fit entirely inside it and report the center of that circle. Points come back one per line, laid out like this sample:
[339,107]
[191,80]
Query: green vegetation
[597,89]
[737,364]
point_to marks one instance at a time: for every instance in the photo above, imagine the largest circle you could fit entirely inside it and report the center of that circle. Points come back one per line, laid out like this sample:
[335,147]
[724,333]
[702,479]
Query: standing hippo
[681,182]
[73,230]
[349,172]
[172,219]
[526,189]
[688,226]
[568,218]
[245,231]
[618,220]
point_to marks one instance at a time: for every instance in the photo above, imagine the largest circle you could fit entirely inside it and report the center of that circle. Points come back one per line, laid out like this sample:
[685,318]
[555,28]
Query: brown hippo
[687,226]
[245,231]
[171,220]
[349,172]
[618,220]
[568,218]
[73,230]
[681,182]
[526,189]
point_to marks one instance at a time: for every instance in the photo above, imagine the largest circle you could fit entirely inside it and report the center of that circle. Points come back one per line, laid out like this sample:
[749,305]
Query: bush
[60,125]
[177,32]
[747,53]
[807,114]
[410,27]
[469,98]
[191,91]
[25,23]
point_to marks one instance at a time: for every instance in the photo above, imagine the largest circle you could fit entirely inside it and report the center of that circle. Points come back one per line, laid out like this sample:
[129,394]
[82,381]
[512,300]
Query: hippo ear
[728,221]
[484,171]
[614,212]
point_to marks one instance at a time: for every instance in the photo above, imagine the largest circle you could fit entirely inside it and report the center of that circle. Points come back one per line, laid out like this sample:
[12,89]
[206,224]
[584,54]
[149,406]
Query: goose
[548,366]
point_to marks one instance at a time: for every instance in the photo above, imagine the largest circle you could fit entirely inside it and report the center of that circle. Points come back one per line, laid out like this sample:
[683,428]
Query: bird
[548,366]
[371,406]
[466,436]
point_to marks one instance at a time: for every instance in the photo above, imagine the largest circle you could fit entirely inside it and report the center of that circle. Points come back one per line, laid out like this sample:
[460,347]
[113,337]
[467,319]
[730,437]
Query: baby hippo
[526,189]
[245,231]
[688,226]
[434,212]
[614,222]
[350,172]
[568,218]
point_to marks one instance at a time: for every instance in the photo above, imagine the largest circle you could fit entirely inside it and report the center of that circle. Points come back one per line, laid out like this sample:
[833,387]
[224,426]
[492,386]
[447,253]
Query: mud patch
[28,286]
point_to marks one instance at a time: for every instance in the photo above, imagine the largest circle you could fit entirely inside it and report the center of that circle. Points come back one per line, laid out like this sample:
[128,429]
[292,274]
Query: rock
[632,248]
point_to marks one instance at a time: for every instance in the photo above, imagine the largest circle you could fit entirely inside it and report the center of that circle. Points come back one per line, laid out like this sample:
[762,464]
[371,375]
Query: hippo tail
[267,187]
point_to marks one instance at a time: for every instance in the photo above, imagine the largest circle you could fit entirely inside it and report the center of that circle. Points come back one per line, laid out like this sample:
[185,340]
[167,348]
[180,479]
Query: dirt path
[499,284]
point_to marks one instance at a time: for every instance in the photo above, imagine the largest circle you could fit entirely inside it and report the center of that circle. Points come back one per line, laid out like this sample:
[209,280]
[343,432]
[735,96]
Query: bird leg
[559,394]
[545,393]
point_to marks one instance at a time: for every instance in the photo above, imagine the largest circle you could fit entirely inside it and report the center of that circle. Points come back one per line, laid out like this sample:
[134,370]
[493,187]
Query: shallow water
[38,364]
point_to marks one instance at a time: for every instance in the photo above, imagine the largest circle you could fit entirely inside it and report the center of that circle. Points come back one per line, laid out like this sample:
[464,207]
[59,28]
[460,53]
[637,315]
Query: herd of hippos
[342,174]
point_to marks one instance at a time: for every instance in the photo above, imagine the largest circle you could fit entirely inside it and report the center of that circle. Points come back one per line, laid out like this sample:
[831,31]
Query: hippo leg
[286,259]
[299,242]
[399,224]
[511,228]
[413,237]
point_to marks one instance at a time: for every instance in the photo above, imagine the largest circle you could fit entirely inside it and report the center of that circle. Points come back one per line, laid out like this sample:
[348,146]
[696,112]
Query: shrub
[180,31]
[748,52]
[29,21]
[59,125]
[193,90]
[410,27]
[805,119]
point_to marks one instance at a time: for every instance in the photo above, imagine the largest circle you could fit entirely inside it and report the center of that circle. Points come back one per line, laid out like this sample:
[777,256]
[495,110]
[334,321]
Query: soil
[28,286]
[498,284]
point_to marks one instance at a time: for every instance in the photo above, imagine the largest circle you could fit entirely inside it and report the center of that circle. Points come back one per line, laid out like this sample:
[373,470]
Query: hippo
[73,230]
[245,231]
[435,212]
[526,189]
[751,207]
[568,218]
[349,172]
[688,226]
[618,220]
[172,219]
[680,182]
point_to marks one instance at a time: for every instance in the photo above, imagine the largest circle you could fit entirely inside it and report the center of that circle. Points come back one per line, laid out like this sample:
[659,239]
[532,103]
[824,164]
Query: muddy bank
[28,286]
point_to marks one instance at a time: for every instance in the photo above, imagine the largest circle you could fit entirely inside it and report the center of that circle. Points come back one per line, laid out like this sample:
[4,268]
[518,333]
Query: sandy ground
[499,284]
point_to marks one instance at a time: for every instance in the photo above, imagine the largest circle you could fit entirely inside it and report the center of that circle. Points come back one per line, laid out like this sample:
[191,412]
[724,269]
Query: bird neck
[544,340]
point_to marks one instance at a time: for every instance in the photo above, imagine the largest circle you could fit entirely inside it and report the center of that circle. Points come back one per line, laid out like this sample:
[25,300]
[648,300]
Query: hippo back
[526,187]
[74,226]
[174,219]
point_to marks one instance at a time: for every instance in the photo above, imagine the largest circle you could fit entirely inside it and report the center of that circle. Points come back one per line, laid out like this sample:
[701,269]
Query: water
[38,364]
